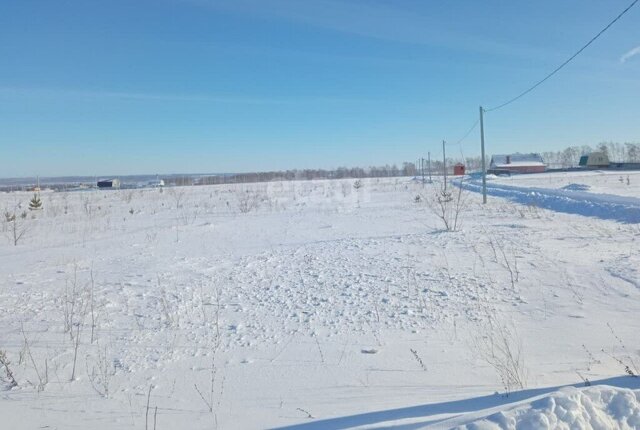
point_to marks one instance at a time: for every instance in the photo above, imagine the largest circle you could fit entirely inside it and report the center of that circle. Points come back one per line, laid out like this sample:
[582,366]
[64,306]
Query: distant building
[155,183]
[458,169]
[517,163]
[594,160]
[109,183]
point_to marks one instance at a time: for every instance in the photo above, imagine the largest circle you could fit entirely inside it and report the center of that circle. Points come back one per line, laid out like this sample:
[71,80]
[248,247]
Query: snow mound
[602,407]
[576,187]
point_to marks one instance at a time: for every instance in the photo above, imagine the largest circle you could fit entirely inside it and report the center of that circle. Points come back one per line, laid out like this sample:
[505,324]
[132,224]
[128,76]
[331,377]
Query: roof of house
[517,159]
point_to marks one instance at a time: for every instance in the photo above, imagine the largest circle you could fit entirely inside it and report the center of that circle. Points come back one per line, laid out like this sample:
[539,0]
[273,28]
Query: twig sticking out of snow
[306,412]
[418,359]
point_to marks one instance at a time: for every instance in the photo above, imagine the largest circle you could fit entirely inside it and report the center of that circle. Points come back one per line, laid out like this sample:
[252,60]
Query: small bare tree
[18,225]
[447,205]
[177,194]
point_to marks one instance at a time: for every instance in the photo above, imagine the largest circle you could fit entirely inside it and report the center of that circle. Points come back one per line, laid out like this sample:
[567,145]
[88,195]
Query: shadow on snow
[452,408]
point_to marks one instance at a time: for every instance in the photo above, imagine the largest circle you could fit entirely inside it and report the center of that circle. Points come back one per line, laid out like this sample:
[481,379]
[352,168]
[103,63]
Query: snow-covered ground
[621,183]
[316,305]
[607,195]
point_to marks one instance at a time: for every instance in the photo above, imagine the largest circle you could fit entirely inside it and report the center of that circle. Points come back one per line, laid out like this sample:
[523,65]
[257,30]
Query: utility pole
[422,169]
[484,167]
[429,155]
[444,165]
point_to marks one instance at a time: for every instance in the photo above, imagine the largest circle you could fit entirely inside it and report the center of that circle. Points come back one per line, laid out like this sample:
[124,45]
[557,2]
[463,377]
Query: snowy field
[316,305]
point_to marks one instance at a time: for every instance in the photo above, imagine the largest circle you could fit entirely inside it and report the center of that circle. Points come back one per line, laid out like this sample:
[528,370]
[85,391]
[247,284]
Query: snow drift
[601,407]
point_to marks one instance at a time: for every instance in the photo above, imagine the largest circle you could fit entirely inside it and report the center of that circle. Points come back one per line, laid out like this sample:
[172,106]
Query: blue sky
[124,87]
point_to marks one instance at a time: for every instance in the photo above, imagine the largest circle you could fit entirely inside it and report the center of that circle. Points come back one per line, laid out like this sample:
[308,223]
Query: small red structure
[458,169]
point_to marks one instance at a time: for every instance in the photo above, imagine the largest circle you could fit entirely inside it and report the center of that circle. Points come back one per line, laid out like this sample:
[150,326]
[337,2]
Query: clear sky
[162,86]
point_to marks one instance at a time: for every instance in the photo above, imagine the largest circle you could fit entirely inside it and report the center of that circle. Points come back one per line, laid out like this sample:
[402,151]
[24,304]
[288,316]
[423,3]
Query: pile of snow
[602,407]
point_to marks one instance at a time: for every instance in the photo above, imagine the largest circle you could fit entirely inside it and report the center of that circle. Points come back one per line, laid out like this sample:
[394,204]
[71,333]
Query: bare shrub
[169,302]
[625,360]
[247,201]
[177,194]
[87,205]
[499,346]
[188,217]
[127,196]
[209,397]
[100,370]
[345,188]
[530,210]
[508,260]
[92,307]
[78,324]
[42,372]
[71,302]
[76,303]
[8,373]
[447,205]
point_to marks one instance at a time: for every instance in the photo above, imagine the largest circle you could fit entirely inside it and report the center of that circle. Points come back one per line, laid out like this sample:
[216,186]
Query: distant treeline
[570,157]
[388,171]
[566,158]
[407,169]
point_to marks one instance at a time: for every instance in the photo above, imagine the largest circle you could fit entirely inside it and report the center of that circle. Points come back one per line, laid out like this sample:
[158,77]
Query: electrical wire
[473,127]
[557,69]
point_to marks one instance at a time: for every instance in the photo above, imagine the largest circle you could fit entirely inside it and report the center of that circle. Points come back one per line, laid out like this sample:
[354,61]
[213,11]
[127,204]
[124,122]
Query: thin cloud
[388,22]
[632,53]
[123,95]
[138,96]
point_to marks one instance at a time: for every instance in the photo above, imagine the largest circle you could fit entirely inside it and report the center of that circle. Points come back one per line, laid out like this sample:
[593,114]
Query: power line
[459,141]
[473,127]
[557,69]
